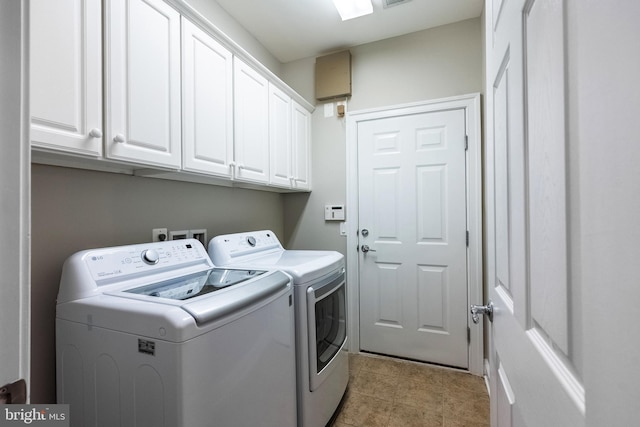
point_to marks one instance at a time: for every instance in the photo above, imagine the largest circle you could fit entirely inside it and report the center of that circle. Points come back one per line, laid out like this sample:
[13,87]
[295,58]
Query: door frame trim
[15,176]
[471,104]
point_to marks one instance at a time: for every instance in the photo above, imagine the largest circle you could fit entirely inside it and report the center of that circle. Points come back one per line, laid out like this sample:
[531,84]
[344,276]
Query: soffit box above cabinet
[333,75]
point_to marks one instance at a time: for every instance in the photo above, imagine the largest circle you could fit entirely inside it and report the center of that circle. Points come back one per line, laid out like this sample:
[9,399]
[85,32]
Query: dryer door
[326,310]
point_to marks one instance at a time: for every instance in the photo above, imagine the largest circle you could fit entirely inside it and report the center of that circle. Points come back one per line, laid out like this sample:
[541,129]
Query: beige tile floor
[386,392]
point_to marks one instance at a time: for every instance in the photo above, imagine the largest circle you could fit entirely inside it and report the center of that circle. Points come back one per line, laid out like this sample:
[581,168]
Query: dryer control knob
[150,256]
[251,241]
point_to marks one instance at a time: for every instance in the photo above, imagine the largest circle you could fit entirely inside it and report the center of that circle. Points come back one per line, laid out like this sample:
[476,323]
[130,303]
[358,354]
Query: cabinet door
[207,107]
[143,82]
[280,137]
[301,147]
[251,119]
[66,75]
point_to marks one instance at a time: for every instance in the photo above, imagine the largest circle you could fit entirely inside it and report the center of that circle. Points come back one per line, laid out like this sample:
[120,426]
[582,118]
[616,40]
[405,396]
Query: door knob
[119,138]
[366,248]
[477,310]
[95,133]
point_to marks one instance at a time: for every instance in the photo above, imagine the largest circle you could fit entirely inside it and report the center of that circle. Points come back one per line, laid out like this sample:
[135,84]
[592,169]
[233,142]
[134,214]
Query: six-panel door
[412,202]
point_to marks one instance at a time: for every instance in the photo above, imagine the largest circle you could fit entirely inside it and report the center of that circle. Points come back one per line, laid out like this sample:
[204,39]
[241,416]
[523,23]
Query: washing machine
[320,314]
[155,335]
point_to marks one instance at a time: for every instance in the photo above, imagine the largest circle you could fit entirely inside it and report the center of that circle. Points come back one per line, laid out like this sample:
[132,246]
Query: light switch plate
[328,110]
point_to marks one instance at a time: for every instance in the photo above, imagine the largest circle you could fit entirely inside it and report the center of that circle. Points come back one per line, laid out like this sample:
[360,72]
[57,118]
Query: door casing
[471,104]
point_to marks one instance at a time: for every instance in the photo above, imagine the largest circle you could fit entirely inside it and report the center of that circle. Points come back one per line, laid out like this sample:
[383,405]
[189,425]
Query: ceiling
[296,29]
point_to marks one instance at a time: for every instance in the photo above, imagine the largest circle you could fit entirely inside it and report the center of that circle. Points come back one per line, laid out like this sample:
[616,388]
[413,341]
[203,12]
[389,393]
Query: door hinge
[468,335]
[466,142]
[467,238]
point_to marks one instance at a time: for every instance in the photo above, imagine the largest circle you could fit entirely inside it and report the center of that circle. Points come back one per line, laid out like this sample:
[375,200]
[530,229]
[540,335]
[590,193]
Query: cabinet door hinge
[468,335]
[466,142]
[467,238]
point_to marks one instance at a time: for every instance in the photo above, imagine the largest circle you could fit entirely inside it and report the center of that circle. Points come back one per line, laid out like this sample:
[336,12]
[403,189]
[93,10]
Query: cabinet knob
[119,138]
[95,133]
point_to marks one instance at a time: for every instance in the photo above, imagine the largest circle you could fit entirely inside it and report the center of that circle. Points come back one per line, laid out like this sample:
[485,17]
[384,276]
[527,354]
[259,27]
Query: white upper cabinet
[280,137]
[301,147]
[207,103]
[66,75]
[251,124]
[142,82]
[289,141]
[174,97]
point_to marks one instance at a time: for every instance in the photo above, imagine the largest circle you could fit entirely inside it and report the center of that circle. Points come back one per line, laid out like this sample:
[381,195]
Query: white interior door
[412,204]
[533,352]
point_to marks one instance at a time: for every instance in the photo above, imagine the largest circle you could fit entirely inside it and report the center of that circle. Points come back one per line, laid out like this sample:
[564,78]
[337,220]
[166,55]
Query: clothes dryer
[320,314]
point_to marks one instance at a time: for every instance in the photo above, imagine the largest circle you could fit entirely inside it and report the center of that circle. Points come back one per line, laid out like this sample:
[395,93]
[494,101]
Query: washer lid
[175,317]
[239,290]
[195,285]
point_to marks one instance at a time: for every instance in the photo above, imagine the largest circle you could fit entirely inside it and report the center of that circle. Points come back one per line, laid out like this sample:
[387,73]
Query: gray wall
[436,63]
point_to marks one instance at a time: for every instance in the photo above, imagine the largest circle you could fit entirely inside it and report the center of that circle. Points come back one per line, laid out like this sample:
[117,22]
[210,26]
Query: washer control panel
[122,261]
[150,256]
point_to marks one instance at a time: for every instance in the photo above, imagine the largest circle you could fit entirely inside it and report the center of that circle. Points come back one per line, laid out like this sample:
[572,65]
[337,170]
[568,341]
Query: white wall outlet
[200,235]
[178,235]
[158,234]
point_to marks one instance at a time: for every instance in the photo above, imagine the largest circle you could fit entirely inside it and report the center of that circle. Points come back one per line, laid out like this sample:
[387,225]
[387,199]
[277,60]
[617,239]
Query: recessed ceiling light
[349,9]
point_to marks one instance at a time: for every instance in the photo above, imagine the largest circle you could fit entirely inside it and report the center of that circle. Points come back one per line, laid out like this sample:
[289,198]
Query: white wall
[435,63]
